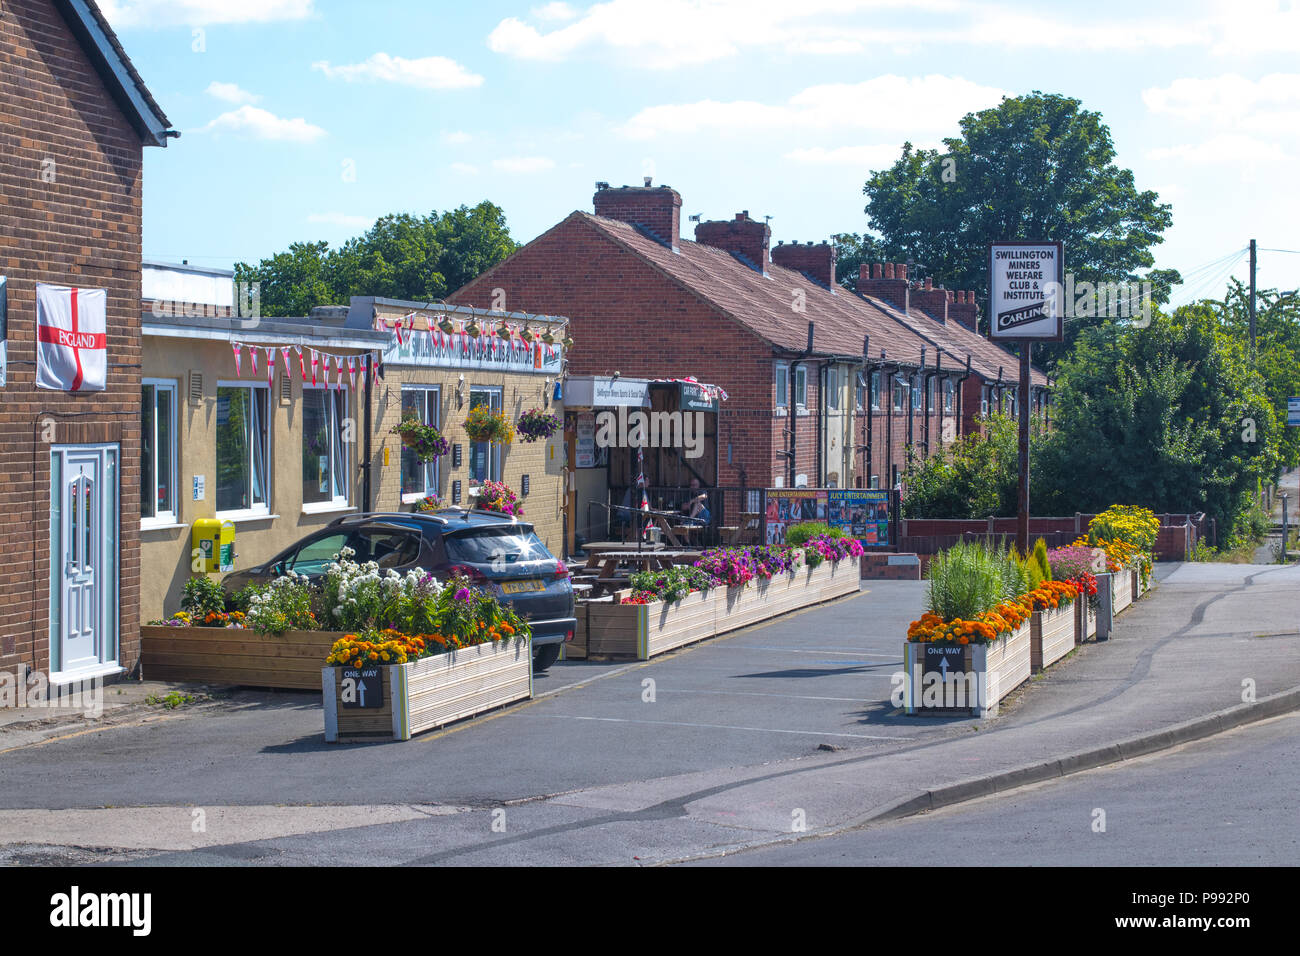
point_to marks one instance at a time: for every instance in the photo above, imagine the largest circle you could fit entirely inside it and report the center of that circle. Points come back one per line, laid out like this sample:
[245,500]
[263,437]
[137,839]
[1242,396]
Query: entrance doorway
[84,551]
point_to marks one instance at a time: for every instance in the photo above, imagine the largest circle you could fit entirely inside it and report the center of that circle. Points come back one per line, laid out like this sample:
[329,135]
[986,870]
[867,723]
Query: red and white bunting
[352,372]
[284,352]
[238,350]
[252,355]
[270,367]
[315,361]
[302,363]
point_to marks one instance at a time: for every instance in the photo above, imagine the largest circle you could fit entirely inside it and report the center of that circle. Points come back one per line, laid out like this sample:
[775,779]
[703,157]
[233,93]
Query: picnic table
[607,565]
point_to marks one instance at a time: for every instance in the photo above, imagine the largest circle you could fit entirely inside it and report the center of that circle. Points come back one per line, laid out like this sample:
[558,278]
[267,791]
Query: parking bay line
[661,689]
[761,730]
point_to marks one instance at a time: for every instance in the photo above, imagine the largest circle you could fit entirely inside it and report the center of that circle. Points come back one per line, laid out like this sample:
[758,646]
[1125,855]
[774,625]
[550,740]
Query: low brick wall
[891,567]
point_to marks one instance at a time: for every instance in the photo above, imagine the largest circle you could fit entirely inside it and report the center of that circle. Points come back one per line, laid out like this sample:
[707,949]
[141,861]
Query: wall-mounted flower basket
[430,503]
[537,425]
[483,424]
[424,440]
[499,497]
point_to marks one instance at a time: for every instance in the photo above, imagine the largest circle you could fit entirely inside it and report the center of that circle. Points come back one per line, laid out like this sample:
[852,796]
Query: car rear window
[490,545]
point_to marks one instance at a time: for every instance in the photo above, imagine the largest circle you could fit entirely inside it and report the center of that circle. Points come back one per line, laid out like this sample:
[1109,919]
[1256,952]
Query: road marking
[809,650]
[761,730]
[744,693]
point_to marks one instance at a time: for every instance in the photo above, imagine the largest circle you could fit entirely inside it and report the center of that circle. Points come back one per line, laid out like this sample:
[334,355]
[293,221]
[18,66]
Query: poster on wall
[71,338]
[860,513]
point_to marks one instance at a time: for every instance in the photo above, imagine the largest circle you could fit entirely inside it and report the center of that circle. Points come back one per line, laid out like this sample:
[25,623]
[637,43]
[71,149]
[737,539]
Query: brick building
[74,118]
[898,364]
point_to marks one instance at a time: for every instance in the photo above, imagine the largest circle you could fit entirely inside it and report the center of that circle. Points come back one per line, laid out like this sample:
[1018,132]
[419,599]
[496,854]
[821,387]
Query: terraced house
[827,387]
[75,118]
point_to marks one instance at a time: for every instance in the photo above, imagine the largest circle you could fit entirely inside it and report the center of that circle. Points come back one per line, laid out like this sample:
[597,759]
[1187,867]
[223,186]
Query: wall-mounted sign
[695,398]
[362,686]
[592,392]
[71,338]
[867,515]
[199,489]
[487,352]
[585,443]
[1025,281]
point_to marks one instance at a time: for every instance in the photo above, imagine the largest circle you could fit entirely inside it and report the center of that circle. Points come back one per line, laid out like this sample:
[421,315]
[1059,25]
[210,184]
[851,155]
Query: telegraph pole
[1252,297]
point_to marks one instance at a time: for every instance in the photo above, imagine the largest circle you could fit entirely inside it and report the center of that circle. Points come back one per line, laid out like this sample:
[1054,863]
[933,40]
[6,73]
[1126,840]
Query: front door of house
[83,559]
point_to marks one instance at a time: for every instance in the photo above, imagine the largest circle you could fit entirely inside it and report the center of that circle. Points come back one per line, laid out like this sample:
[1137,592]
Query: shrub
[1135,526]
[202,596]
[797,534]
[1040,558]
[971,578]
[283,605]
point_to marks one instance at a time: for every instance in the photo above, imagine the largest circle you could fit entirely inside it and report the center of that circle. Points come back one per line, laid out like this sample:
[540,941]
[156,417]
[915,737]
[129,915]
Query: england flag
[71,338]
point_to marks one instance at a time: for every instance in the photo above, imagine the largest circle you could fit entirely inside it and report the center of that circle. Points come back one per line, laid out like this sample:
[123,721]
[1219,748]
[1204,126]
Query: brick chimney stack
[965,311]
[933,301]
[817,261]
[655,210]
[886,281]
[740,235]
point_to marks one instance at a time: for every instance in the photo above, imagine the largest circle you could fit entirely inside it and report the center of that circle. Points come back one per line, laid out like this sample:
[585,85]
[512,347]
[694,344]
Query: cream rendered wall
[165,552]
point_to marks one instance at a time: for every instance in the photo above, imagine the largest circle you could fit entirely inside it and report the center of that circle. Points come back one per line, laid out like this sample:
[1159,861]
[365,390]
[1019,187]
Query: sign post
[1025,286]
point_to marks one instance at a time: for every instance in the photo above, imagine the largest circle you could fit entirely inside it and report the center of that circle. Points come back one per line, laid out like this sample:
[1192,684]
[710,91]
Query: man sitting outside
[696,507]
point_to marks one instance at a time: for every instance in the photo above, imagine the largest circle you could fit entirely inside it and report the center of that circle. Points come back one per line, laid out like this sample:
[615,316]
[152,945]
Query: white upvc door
[83,558]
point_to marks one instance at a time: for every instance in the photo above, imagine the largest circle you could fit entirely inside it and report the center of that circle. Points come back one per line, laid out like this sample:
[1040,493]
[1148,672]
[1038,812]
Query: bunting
[315,361]
[252,355]
[284,352]
[270,367]
[238,356]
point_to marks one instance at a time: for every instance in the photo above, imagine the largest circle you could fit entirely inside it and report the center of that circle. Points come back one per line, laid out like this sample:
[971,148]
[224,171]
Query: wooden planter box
[430,692]
[576,649]
[988,672]
[1052,635]
[1085,621]
[1122,590]
[227,655]
[645,630]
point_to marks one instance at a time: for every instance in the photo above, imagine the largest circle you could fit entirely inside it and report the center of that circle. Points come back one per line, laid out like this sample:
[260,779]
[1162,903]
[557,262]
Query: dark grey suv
[501,555]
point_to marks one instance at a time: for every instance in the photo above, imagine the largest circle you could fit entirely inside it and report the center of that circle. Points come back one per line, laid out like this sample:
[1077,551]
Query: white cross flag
[71,338]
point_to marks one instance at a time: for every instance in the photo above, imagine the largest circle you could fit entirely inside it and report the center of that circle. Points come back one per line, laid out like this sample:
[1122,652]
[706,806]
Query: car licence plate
[522,587]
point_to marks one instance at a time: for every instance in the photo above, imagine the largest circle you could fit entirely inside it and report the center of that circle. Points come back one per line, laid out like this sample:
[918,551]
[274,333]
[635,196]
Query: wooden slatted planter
[989,672]
[227,655]
[431,692]
[1052,635]
[645,630]
[1122,593]
[1085,621]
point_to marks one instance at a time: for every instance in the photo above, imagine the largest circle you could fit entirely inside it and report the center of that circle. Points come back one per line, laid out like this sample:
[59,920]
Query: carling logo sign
[71,338]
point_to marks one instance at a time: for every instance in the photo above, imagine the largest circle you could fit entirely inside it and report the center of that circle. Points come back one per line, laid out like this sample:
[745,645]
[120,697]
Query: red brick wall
[83,229]
[627,317]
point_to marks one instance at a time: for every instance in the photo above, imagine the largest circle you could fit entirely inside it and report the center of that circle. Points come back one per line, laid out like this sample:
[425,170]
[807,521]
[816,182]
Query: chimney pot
[877,270]
[900,270]
[648,181]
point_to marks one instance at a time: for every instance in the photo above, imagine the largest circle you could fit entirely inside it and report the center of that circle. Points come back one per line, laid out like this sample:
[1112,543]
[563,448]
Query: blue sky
[307,119]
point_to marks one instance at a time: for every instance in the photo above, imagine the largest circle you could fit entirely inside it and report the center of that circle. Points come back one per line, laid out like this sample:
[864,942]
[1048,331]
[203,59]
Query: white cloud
[261,124]
[523,164]
[465,169]
[555,11]
[230,93]
[867,157]
[1252,27]
[1228,99]
[339,219]
[1230,149]
[430,72]
[125,14]
[456,138]
[893,103]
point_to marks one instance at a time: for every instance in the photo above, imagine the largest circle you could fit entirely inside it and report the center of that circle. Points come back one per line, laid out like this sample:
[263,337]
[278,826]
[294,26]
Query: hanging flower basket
[430,503]
[497,496]
[425,440]
[537,425]
[483,424]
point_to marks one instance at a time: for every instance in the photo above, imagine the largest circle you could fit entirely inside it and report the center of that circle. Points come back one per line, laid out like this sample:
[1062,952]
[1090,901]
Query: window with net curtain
[423,403]
[242,449]
[324,451]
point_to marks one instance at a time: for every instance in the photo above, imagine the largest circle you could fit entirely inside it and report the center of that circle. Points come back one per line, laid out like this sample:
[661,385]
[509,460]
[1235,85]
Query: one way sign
[362,687]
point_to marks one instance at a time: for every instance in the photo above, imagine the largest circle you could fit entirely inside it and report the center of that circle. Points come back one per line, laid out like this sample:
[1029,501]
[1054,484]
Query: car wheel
[545,656]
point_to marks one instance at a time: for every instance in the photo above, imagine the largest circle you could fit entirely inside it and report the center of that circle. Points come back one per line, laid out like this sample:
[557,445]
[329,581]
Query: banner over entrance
[71,338]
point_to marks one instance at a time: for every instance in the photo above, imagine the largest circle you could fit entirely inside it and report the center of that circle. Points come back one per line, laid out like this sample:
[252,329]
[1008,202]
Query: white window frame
[164,519]
[898,400]
[832,388]
[949,390]
[344,460]
[257,511]
[801,388]
[875,390]
[782,385]
[916,386]
[432,474]
[495,465]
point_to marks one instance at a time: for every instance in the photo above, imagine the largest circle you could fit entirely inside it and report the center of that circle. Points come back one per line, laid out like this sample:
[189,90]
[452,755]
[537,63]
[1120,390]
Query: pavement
[775,734]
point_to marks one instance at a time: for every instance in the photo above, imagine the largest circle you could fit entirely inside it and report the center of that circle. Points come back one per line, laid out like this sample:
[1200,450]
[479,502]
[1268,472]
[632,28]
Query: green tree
[975,477]
[1171,417]
[417,258]
[1033,167]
